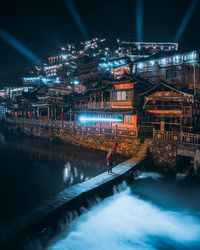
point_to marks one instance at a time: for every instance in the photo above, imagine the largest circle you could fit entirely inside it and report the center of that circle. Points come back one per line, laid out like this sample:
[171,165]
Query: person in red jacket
[109,159]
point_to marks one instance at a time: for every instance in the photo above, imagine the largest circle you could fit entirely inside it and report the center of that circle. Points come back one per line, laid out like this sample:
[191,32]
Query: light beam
[13,42]
[139,19]
[77,18]
[185,20]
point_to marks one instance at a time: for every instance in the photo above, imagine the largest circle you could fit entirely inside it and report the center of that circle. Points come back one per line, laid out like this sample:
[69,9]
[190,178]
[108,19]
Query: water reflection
[67,172]
[32,170]
[2,139]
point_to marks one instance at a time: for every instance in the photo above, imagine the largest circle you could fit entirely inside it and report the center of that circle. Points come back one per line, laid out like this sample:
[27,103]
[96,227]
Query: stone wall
[125,146]
[163,156]
[160,156]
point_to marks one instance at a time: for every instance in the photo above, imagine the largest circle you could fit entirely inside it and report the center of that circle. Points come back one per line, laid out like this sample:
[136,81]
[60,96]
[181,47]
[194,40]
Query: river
[156,212]
[33,170]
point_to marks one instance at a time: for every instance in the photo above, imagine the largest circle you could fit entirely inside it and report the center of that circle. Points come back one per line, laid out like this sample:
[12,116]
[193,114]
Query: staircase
[142,151]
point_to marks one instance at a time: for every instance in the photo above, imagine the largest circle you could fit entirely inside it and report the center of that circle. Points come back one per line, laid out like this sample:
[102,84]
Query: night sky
[42,25]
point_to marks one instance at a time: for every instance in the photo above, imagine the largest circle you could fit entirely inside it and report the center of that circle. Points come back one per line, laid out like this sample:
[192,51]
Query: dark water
[157,212]
[32,170]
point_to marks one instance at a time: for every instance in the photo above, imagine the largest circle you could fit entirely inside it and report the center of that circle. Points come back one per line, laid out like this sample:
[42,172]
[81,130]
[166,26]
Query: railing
[187,111]
[190,139]
[176,137]
[164,107]
[94,105]
[71,126]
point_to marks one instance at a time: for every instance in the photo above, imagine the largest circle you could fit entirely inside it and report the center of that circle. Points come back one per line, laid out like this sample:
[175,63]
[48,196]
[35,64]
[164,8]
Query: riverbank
[159,156]
[125,145]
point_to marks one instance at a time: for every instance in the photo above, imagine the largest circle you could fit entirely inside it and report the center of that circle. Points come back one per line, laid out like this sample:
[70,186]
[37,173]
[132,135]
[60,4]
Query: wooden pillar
[181,123]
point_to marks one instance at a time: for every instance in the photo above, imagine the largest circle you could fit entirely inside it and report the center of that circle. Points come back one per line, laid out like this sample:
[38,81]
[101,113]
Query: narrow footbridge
[73,198]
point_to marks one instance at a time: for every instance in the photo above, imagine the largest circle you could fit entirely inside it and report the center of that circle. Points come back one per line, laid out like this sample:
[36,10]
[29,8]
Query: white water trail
[126,222]
[153,175]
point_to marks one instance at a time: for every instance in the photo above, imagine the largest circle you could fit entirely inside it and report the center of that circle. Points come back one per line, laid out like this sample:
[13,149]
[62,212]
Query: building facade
[167,108]
[179,69]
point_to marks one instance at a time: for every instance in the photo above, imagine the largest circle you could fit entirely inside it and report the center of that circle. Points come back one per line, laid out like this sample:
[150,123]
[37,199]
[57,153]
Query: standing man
[109,159]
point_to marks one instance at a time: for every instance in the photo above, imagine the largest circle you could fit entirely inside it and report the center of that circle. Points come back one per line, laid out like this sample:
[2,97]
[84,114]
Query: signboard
[123,86]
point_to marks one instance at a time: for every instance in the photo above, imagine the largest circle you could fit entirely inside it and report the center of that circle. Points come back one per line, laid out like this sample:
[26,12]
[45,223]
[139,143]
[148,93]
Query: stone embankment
[163,156]
[124,145]
[160,155]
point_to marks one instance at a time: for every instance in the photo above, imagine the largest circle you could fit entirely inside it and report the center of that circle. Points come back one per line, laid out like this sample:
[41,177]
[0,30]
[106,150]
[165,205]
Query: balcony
[93,105]
[169,110]
[122,104]
[105,105]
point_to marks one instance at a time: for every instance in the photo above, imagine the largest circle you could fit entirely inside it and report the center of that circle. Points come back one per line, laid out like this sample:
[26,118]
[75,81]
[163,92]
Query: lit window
[163,61]
[141,65]
[152,63]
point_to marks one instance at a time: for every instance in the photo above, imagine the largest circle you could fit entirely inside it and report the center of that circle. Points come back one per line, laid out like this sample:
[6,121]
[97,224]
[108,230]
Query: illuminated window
[141,65]
[121,95]
[129,119]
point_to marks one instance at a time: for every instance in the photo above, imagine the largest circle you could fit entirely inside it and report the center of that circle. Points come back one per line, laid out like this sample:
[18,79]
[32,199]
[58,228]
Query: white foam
[152,175]
[126,222]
